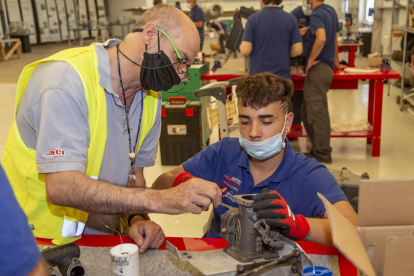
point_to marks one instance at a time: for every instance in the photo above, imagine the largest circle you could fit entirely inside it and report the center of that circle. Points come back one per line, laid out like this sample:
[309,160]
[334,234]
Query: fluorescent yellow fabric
[19,162]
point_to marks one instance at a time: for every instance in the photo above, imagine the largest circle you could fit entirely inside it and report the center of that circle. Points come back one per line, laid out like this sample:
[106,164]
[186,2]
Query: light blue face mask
[264,149]
[306,8]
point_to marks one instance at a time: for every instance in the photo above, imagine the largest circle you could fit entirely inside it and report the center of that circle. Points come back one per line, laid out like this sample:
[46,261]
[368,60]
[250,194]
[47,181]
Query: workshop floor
[397,150]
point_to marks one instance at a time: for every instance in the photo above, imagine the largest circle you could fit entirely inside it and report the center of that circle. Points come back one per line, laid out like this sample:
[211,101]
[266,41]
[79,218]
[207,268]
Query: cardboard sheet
[346,239]
[386,202]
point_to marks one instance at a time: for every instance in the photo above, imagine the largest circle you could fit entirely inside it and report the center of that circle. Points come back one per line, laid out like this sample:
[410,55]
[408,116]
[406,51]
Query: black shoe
[327,160]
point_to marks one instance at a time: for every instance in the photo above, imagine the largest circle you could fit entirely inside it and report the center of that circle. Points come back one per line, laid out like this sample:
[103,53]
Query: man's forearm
[77,190]
[316,49]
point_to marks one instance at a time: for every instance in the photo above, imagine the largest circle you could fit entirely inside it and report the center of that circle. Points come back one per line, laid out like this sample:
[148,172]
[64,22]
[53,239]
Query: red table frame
[344,80]
[352,48]
[196,244]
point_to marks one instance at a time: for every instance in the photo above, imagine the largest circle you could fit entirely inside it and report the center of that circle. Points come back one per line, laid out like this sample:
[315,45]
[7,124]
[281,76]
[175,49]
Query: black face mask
[157,71]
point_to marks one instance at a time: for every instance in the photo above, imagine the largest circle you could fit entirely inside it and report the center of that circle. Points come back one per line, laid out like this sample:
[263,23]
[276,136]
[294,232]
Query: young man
[322,59]
[197,16]
[262,159]
[222,29]
[270,38]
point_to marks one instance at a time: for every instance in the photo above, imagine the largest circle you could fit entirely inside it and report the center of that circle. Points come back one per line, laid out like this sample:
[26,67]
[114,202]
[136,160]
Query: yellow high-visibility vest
[64,224]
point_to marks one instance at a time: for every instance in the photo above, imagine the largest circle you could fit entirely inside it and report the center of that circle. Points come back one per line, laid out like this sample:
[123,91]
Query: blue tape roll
[317,270]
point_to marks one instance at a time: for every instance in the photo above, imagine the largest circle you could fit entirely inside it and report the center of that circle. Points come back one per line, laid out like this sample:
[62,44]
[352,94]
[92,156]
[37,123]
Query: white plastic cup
[125,260]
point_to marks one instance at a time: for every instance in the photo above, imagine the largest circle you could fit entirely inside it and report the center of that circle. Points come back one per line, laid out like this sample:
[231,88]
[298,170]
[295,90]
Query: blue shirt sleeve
[295,33]
[320,180]
[198,15]
[204,163]
[249,30]
[19,254]
[316,24]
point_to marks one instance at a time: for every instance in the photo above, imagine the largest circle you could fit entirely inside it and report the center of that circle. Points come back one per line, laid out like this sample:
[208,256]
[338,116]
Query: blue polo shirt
[19,254]
[197,14]
[223,25]
[272,31]
[302,18]
[324,17]
[297,179]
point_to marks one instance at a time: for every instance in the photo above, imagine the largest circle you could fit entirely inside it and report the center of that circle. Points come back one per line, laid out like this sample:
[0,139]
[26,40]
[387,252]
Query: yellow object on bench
[5,54]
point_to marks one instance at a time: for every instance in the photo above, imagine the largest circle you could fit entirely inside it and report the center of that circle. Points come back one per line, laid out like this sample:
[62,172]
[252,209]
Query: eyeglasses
[182,67]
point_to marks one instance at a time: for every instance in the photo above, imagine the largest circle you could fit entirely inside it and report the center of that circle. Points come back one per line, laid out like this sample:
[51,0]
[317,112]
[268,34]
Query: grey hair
[166,18]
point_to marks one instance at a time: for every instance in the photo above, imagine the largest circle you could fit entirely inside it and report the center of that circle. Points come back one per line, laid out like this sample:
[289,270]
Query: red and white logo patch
[55,152]
[223,189]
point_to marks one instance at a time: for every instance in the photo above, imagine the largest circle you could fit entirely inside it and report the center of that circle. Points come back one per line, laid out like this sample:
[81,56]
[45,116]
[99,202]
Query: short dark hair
[177,3]
[261,89]
[157,2]
[276,2]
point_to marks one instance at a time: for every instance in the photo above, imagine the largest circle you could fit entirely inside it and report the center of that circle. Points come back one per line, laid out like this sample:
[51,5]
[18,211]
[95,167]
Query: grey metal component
[53,272]
[218,263]
[226,206]
[251,238]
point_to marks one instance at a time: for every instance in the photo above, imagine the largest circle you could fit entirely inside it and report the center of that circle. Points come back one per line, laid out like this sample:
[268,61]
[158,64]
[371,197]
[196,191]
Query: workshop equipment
[196,71]
[218,91]
[349,184]
[180,130]
[254,248]
[66,259]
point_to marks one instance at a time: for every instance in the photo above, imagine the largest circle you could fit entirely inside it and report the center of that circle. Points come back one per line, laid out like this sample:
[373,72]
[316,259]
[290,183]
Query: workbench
[148,268]
[351,49]
[342,80]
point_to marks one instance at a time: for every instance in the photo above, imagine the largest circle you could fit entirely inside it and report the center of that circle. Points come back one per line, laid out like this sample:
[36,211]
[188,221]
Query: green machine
[196,72]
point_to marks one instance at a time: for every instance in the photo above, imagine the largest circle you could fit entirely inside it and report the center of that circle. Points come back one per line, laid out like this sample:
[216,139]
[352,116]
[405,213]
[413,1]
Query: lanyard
[131,155]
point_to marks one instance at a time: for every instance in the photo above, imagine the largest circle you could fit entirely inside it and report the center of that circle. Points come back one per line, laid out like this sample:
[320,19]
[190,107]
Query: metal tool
[227,206]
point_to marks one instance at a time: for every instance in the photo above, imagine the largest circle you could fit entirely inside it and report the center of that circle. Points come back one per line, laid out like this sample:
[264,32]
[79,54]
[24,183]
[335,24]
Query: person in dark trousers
[222,29]
[178,5]
[197,16]
[271,37]
[302,14]
[321,60]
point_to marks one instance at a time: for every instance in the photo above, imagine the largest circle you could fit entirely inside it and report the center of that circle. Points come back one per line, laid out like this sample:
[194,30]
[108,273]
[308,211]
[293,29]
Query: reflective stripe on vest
[64,224]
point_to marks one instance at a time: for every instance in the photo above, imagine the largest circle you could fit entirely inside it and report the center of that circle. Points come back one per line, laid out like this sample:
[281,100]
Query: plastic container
[180,130]
[317,270]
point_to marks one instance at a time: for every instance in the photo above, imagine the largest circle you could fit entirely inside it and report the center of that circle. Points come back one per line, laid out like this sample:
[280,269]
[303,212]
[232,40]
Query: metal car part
[65,258]
[255,248]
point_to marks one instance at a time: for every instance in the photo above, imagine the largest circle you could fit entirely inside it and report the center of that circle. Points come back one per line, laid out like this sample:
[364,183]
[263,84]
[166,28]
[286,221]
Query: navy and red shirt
[297,179]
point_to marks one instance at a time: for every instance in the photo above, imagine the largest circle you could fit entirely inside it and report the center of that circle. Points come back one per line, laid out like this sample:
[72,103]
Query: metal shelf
[407,91]
[402,28]
[406,66]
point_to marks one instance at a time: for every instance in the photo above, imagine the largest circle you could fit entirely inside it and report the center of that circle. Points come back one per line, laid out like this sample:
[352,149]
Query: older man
[88,122]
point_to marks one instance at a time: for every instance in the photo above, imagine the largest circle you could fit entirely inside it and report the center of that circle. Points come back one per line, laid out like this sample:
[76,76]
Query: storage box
[383,242]
[180,131]
[374,60]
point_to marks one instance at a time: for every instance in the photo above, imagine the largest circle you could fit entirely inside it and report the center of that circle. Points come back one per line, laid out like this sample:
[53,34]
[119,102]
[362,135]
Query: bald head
[176,24]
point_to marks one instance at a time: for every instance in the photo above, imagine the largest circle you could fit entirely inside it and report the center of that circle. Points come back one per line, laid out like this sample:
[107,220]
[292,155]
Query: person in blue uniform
[19,254]
[270,38]
[197,16]
[321,60]
[297,65]
[261,161]
[222,29]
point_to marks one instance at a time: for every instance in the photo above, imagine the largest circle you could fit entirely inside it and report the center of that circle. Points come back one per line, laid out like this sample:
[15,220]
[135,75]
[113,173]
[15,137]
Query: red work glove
[182,177]
[272,207]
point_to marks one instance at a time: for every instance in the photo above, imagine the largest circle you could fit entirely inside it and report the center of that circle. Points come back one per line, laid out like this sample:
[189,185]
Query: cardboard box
[374,61]
[383,242]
